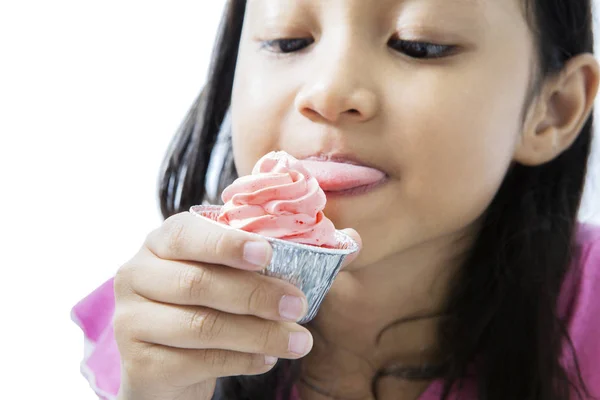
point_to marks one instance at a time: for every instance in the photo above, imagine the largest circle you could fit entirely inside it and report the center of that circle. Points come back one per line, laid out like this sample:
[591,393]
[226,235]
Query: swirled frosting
[282,200]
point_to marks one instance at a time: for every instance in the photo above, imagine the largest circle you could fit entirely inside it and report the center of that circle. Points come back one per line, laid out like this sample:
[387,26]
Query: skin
[445,130]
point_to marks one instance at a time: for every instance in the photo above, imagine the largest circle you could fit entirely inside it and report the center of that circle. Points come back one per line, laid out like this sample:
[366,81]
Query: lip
[344,174]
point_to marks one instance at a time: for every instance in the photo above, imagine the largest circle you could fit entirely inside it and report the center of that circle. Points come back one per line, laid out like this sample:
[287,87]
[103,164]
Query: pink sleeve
[581,305]
[101,365]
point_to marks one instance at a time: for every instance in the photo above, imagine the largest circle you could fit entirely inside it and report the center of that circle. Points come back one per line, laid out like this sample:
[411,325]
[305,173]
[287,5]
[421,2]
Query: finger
[178,368]
[203,328]
[192,238]
[354,235]
[218,287]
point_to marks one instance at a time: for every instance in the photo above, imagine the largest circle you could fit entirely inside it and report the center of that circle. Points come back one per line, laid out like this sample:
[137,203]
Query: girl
[474,280]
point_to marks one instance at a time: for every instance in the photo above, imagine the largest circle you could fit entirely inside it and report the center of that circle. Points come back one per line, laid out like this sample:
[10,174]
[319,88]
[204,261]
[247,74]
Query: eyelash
[413,49]
[421,50]
[276,45]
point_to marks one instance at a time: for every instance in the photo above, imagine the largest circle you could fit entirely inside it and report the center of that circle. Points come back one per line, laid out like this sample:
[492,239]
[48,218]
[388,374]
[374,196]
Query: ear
[555,118]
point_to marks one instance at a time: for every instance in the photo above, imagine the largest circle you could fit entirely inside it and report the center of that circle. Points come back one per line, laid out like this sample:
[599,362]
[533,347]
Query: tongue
[335,177]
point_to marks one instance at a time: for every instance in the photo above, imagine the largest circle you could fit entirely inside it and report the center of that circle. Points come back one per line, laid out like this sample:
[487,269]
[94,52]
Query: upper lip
[342,158]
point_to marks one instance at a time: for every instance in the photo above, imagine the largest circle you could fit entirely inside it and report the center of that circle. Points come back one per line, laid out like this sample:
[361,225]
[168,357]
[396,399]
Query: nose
[340,90]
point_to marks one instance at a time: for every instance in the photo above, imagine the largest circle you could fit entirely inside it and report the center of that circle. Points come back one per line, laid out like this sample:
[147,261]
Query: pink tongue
[335,177]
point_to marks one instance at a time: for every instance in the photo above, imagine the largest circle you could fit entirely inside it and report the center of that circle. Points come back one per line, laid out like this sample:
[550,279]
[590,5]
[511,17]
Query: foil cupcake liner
[312,269]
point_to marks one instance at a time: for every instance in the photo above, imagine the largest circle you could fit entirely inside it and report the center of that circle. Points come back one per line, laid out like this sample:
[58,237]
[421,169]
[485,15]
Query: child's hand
[189,309]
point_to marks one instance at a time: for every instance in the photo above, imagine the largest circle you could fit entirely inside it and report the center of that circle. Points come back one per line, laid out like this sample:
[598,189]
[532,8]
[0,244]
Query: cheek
[466,144]
[457,143]
[257,111]
[248,145]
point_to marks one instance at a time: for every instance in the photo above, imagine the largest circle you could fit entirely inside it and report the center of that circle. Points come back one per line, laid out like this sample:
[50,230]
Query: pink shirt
[579,305]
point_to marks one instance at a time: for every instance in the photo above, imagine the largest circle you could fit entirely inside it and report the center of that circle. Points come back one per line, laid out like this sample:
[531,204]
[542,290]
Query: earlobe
[558,114]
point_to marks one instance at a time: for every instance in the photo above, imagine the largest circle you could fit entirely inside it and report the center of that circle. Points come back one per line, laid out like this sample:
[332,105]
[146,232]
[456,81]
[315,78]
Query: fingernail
[291,307]
[269,360]
[298,343]
[256,253]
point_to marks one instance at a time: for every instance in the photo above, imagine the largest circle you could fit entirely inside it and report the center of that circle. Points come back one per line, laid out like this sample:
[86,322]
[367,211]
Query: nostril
[353,112]
[311,114]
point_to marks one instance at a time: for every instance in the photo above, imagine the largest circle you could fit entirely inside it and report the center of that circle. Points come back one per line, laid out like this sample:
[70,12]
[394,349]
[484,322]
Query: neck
[384,315]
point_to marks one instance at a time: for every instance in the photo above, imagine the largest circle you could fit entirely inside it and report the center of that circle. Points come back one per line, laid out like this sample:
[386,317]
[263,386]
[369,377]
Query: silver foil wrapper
[312,269]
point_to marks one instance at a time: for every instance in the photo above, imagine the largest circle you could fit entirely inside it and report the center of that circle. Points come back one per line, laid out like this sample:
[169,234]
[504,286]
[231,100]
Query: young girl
[475,280]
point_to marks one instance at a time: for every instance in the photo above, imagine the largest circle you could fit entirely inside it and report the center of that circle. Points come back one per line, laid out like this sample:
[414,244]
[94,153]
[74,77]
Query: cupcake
[284,203]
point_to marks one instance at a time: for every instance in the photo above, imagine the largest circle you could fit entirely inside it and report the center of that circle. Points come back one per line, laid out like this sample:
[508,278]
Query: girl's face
[431,92]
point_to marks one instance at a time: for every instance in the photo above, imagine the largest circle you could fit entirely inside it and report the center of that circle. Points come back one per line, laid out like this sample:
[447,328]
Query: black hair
[502,311]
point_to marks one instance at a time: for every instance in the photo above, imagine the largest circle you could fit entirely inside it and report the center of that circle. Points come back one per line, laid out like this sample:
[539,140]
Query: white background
[90,95]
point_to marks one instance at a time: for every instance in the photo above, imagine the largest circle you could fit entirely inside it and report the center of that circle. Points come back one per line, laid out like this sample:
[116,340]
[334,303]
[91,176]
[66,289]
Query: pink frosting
[282,200]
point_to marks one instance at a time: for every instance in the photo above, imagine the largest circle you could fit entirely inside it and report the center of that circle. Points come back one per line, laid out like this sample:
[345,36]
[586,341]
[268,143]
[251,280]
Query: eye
[287,45]
[421,50]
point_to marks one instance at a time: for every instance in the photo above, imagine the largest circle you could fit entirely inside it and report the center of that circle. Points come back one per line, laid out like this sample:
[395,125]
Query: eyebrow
[313,2]
[276,8]
[271,11]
